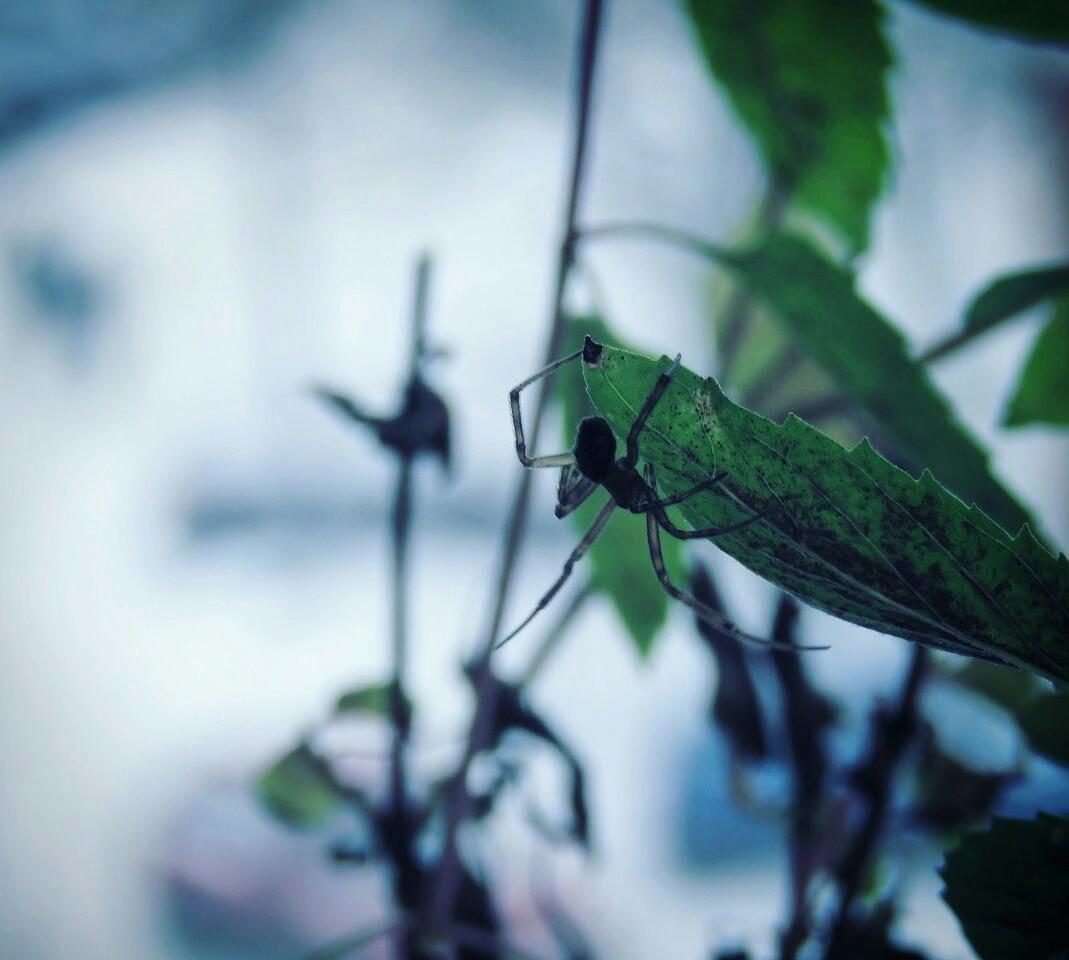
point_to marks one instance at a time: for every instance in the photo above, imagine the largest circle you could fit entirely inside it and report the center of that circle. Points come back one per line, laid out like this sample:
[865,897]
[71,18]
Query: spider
[592,463]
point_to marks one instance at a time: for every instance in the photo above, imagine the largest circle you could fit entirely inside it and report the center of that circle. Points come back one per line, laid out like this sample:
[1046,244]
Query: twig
[446,881]
[891,734]
[805,716]
[402,519]
[949,344]
[396,835]
[641,230]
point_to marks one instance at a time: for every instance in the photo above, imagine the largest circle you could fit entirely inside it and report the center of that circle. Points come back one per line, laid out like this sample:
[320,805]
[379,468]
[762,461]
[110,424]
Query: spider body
[595,458]
[592,464]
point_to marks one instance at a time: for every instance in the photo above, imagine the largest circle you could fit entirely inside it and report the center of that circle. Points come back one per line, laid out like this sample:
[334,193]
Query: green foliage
[1042,393]
[846,531]
[866,357]
[1045,721]
[808,80]
[1008,688]
[1013,293]
[1042,20]
[373,698]
[1009,887]
[297,790]
[618,559]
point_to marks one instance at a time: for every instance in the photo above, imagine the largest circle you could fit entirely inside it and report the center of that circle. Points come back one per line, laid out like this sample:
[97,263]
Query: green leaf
[1004,686]
[808,79]
[373,698]
[1042,20]
[845,530]
[1042,393]
[619,559]
[1045,721]
[296,789]
[1013,293]
[866,356]
[1009,886]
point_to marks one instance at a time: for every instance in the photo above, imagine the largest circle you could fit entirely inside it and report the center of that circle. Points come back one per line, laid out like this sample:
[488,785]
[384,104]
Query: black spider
[592,463]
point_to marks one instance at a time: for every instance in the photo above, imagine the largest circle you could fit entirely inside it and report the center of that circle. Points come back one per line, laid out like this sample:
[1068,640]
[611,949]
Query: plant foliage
[845,530]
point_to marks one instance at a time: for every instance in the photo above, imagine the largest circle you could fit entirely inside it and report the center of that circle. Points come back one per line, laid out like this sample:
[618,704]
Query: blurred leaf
[1014,293]
[1042,393]
[867,359]
[377,699]
[736,708]
[950,794]
[1009,887]
[373,698]
[512,712]
[1007,687]
[297,789]
[1042,20]
[421,426]
[1045,721]
[846,531]
[620,558]
[808,80]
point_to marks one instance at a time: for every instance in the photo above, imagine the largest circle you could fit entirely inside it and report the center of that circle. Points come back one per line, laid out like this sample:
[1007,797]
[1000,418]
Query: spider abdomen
[595,449]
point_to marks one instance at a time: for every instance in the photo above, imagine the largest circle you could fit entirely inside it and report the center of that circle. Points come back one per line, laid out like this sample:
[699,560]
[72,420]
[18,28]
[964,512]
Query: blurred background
[209,206]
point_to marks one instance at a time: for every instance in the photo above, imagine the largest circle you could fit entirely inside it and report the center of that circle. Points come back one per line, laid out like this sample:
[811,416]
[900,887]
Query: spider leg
[576,555]
[658,390]
[675,498]
[554,460]
[656,510]
[706,613]
[573,492]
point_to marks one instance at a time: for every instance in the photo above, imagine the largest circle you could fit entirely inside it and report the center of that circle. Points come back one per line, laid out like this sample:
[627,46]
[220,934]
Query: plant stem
[641,230]
[949,344]
[805,716]
[892,733]
[401,523]
[406,870]
[446,881]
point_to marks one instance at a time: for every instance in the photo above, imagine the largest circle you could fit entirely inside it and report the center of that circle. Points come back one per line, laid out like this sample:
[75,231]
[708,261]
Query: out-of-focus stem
[446,881]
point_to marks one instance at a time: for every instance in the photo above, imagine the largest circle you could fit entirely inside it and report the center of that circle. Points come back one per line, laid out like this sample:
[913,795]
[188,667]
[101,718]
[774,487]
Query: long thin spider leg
[576,555]
[570,476]
[572,497]
[706,613]
[658,390]
[557,460]
[680,497]
[706,533]
[657,510]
